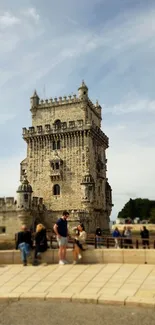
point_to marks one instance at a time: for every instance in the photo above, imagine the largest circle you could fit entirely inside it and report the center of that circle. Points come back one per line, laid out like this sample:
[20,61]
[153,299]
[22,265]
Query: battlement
[8,203]
[58,101]
[63,128]
[65,100]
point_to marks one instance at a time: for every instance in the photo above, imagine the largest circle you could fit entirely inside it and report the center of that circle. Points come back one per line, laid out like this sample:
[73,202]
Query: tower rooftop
[25,186]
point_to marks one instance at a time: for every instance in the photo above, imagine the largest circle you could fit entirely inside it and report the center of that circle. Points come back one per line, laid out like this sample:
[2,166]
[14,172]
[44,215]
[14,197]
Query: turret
[24,194]
[83,91]
[98,108]
[34,100]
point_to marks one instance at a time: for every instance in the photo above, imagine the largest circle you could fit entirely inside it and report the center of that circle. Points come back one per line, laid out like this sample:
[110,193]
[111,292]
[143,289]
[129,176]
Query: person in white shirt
[80,242]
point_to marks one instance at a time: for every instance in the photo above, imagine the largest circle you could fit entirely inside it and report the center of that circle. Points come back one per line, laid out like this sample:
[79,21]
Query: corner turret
[98,108]
[34,100]
[83,91]
[24,194]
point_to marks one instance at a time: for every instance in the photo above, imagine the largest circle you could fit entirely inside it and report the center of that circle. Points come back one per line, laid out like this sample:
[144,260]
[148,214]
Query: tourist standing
[24,243]
[145,236]
[98,234]
[61,231]
[80,243]
[127,234]
[40,242]
[116,235]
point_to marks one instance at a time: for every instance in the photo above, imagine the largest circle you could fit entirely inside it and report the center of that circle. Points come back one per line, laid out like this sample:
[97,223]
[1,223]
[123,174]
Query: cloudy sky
[51,46]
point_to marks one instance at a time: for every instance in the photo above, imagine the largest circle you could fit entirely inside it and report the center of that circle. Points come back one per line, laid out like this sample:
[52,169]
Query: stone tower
[66,158]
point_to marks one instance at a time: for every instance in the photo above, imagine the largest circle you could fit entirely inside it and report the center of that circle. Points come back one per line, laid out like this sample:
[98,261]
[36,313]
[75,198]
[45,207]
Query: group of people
[127,236]
[79,235]
[25,243]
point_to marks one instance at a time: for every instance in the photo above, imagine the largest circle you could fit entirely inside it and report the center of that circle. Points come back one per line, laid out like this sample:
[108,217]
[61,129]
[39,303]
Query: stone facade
[66,164]
[66,157]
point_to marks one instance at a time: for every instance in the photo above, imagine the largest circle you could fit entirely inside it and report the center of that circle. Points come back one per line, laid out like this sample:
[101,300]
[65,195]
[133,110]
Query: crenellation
[2,201]
[58,102]
[47,127]
[66,127]
[25,131]
[9,203]
[31,130]
[39,129]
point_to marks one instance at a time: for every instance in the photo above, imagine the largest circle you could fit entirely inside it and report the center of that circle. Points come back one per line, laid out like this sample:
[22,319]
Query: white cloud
[131,105]
[32,13]
[8,20]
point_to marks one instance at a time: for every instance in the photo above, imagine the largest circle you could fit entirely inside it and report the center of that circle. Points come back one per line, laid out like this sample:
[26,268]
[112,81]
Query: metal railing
[108,241]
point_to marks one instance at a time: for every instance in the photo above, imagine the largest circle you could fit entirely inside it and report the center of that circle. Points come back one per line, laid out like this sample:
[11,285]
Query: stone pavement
[123,284]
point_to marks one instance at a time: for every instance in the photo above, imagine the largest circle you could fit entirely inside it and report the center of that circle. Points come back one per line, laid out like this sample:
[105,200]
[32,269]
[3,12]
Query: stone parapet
[72,126]
[61,101]
[8,203]
[90,256]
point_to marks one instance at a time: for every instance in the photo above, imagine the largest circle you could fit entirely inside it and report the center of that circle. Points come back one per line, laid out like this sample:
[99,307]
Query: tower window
[26,197]
[2,230]
[56,145]
[57,165]
[56,189]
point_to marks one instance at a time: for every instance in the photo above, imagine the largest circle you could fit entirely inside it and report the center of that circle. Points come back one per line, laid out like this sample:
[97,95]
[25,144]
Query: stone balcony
[56,174]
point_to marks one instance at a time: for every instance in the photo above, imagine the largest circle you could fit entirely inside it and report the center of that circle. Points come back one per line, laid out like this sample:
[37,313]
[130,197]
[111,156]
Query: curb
[81,298]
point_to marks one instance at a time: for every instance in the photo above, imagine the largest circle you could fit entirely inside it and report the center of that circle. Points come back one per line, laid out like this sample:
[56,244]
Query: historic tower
[66,159]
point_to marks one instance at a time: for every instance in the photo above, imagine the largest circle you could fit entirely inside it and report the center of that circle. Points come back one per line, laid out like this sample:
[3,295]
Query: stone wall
[90,256]
[10,222]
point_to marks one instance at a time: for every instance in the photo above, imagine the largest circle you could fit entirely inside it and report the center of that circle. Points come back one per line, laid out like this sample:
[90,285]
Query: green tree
[137,208]
[152,215]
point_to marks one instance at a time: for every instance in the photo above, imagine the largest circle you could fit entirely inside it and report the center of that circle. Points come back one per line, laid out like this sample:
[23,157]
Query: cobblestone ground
[47,313]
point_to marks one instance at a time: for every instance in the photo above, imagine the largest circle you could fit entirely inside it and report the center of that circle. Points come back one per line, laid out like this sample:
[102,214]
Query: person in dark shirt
[145,236]
[61,230]
[98,236]
[24,243]
[40,242]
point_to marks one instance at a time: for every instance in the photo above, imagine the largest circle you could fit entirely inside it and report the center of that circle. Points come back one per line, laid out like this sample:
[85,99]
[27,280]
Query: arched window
[56,189]
[58,144]
[57,124]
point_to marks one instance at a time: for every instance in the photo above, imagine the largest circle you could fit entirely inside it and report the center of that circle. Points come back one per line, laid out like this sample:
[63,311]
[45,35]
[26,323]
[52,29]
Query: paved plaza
[125,284]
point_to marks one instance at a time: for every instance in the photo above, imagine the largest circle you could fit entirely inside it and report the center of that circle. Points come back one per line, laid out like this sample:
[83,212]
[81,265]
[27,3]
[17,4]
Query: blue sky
[52,46]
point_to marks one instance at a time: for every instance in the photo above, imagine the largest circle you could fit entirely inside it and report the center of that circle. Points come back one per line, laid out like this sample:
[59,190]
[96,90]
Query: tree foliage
[152,215]
[144,209]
